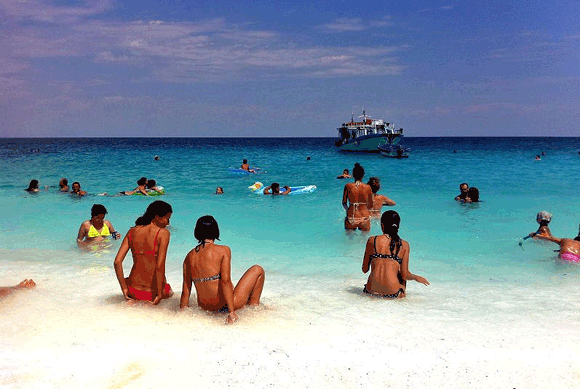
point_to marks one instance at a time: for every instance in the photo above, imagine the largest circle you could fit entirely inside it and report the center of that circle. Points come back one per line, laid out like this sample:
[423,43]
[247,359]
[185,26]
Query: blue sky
[288,68]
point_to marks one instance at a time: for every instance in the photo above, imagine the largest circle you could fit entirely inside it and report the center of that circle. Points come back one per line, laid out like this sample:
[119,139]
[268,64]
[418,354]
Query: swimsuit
[152,252]
[570,257]
[378,255]
[214,277]
[145,295]
[93,233]
[389,296]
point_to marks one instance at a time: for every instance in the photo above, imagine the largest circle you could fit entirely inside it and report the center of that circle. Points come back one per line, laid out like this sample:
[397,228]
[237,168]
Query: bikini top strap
[375,244]
[129,235]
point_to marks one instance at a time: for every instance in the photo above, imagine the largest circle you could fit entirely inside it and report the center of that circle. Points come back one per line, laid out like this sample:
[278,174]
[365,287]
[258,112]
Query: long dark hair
[390,221]
[156,208]
[358,172]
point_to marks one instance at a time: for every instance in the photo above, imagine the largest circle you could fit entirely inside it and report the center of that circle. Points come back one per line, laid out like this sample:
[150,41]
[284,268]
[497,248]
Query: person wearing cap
[569,248]
[543,218]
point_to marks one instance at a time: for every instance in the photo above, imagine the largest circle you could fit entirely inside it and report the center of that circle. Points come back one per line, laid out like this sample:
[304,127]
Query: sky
[184,68]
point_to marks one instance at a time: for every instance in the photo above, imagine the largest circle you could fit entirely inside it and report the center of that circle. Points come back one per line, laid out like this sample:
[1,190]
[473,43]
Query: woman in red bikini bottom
[148,242]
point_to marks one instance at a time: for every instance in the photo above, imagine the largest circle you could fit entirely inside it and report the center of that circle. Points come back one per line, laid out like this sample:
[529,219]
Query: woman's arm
[369,197]
[387,201]
[114,233]
[366,265]
[164,237]
[118,264]
[186,289]
[405,273]
[345,198]
[82,233]
[227,285]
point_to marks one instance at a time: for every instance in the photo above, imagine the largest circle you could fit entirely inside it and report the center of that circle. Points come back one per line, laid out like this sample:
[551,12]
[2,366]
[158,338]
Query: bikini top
[93,232]
[388,256]
[151,252]
[214,277]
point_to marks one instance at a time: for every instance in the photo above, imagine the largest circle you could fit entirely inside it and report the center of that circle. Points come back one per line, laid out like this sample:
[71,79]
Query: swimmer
[219,190]
[246,167]
[387,257]
[26,284]
[538,158]
[97,228]
[569,248]
[32,187]
[156,158]
[208,268]
[148,242]
[360,197]
[141,187]
[63,185]
[378,200]
[543,218]
[345,174]
[472,195]
[76,190]
[152,187]
[274,189]
[464,188]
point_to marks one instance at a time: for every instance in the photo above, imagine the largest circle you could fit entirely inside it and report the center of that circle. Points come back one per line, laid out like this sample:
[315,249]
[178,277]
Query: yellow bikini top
[93,233]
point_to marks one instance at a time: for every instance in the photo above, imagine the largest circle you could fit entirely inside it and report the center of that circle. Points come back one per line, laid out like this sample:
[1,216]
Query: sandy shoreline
[299,339]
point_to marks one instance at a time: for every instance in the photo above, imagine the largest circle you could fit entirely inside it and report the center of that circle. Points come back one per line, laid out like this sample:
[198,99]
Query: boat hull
[369,143]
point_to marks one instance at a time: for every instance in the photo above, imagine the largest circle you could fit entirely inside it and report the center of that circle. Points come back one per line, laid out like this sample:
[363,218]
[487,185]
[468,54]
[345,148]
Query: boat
[391,151]
[367,135]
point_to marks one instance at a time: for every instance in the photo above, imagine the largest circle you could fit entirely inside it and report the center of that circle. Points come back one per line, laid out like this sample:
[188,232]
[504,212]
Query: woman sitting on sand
[387,256]
[208,267]
[148,242]
[360,197]
[97,228]
[378,200]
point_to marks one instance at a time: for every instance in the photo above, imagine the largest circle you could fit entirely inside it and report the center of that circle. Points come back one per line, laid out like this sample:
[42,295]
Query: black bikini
[386,256]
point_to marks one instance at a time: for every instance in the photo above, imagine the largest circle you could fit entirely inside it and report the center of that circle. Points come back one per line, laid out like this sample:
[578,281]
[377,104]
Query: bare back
[145,243]
[384,265]
[205,266]
[360,197]
[569,246]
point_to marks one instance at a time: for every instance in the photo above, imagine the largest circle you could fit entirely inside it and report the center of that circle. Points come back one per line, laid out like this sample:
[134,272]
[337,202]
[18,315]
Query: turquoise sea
[486,290]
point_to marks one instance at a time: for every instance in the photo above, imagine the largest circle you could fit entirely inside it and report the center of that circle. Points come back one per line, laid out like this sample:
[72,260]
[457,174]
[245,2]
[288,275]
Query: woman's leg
[249,287]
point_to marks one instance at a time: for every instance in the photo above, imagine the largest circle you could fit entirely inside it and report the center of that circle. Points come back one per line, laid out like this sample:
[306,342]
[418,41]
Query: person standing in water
[378,200]
[360,197]
[97,228]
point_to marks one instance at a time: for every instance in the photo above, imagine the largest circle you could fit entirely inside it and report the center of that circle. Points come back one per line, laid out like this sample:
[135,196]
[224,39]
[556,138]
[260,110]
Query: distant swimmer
[360,198]
[32,187]
[378,200]
[345,174]
[219,190]
[538,158]
[156,158]
[76,190]
[387,257]
[463,188]
[26,284]
[97,228]
[569,248]
[246,167]
[148,242]
[63,185]
[274,189]
[208,267]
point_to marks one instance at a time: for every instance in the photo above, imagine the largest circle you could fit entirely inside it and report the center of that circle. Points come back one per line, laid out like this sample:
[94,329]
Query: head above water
[245,161]
[375,184]
[76,186]
[275,187]
[142,181]
[63,182]
[151,183]
[157,208]
[544,218]
[219,190]
[33,185]
[206,228]
[98,209]
[473,194]
[464,187]
[358,172]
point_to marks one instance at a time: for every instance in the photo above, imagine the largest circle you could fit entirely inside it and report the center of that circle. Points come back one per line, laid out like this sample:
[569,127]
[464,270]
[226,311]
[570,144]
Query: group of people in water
[145,187]
[569,248]
[467,194]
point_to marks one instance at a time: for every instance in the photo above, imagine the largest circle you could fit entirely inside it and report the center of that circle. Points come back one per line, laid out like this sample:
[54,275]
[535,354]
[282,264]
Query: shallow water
[486,291]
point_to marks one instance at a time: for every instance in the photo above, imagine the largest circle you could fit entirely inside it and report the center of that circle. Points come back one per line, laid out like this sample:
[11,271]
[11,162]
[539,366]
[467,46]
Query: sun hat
[544,215]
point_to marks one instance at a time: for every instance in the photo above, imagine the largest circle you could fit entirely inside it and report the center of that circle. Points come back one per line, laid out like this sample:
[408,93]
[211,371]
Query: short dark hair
[151,183]
[98,209]
[245,161]
[76,182]
[206,228]
[142,181]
